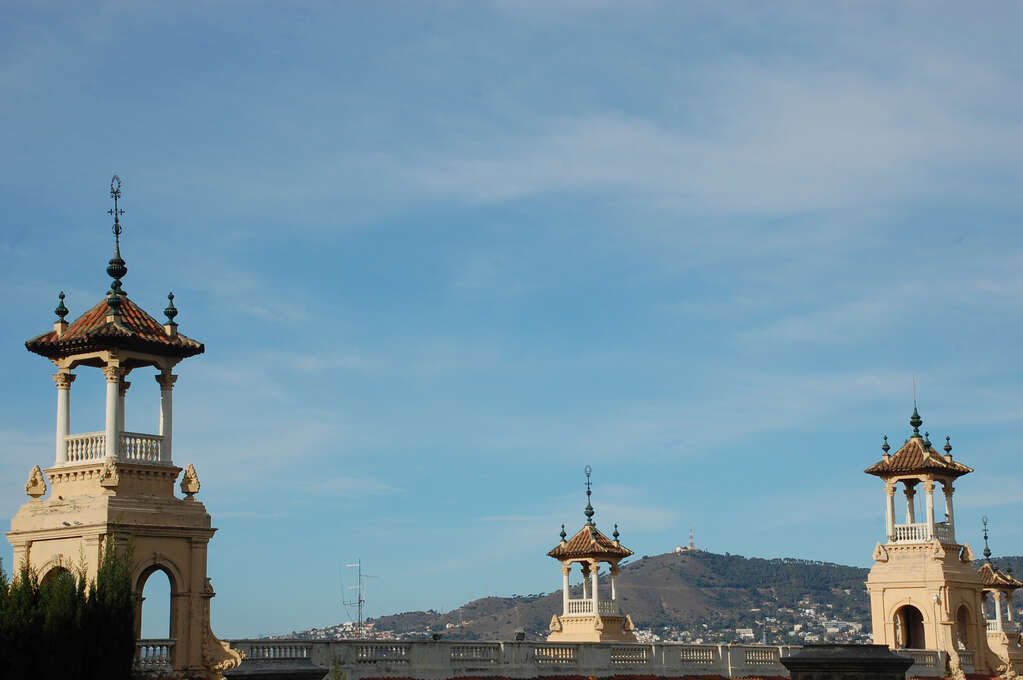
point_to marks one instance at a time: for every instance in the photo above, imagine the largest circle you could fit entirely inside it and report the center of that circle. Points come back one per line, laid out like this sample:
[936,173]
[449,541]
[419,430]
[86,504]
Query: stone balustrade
[585,607]
[154,654]
[134,447]
[919,532]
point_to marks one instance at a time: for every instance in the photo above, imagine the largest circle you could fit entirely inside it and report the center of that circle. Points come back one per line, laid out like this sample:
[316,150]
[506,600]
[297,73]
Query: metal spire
[948,446]
[616,534]
[115,268]
[589,508]
[927,441]
[987,550]
[885,447]
[563,534]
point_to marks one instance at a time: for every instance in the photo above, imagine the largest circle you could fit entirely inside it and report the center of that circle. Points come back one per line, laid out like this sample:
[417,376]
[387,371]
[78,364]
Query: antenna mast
[360,599]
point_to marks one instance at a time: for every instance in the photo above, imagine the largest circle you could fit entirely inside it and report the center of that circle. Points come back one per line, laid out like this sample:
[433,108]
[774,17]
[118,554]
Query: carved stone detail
[880,554]
[555,624]
[114,373]
[966,554]
[36,485]
[166,380]
[190,483]
[109,477]
[64,380]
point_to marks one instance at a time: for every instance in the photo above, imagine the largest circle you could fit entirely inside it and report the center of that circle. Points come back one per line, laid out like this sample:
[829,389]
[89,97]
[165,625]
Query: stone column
[910,513]
[929,491]
[998,609]
[166,380]
[63,381]
[614,591]
[889,511]
[114,375]
[586,581]
[123,390]
[949,490]
[593,573]
[565,568]
[1008,606]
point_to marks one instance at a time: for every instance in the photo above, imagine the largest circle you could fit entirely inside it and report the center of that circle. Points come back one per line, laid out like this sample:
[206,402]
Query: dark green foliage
[60,628]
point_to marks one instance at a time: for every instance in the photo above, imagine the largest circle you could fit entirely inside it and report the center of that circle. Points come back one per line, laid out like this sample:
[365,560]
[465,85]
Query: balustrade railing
[697,655]
[966,659]
[479,653]
[279,650]
[382,653]
[140,448]
[919,532]
[83,447]
[756,656]
[631,655]
[132,446]
[604,607]
[554,654]
[153,654]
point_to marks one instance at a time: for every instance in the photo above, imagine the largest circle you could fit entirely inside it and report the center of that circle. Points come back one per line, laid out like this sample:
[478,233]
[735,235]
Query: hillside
[672,593]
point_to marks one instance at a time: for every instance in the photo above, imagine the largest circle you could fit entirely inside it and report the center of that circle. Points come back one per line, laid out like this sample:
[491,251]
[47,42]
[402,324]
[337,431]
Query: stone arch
[55,571]
[57,563]
[908,622]
[142,572]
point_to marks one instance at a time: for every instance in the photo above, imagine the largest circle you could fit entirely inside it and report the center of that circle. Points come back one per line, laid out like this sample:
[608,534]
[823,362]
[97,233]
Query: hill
[704,593]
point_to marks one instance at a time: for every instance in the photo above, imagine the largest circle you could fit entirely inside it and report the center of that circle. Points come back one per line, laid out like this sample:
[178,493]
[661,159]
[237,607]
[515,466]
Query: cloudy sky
[443,255]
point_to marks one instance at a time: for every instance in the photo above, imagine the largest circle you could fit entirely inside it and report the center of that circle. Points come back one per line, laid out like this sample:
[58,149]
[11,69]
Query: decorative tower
[120,485]
[590,619]
[924,591]
[1003,636]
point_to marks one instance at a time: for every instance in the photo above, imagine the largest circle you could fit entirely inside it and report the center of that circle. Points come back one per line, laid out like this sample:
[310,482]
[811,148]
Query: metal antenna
[360,598]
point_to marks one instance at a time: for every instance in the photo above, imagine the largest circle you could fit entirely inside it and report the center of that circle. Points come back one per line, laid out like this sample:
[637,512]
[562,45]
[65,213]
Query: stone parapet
[446,660]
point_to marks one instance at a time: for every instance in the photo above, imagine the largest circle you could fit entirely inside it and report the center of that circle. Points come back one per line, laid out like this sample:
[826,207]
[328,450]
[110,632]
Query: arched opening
[962,628]
[909,628]
[55,574]
[154,604]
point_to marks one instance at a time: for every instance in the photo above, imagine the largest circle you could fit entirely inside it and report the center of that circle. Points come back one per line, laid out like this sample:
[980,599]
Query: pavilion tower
[924,591]
[119,485]
[590,619]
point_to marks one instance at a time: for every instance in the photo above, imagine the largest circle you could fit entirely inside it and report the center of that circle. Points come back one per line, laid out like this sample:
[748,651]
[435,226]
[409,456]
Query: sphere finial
[170,310]
[948,445]
[563,534]
[916,421]
[987,550]
[615,534]
[61,311]
[885,447]
[927,441]
[116,268]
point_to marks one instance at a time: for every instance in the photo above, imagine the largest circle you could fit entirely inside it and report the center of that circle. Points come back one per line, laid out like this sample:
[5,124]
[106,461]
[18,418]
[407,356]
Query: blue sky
[443,255]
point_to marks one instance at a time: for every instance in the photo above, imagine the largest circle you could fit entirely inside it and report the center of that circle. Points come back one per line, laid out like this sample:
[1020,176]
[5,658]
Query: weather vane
[115,193]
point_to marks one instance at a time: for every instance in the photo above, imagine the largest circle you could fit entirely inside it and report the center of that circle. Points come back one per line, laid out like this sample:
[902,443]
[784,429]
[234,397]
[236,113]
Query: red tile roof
[912,458]
[992,577]
[589,542]
[133,330]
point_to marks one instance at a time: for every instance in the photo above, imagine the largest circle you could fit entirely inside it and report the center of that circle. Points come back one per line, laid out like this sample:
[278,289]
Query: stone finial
[615,534]
[36,485]
[563,534]
[885,447]
[948,447]
[190,483]
[60,325]
[916,421]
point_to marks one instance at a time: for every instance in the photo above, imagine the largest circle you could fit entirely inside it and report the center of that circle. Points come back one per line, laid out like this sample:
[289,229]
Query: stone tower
[118,484]
[590,619]
[925,592]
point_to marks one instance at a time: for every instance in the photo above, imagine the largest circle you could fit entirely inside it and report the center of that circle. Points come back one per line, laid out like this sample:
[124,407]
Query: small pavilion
[590,619]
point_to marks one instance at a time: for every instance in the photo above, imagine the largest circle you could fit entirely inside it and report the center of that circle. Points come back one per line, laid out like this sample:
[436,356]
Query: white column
[63,381]
[586,581]
[910,514]
[889,512]
[929,491]
[166,380]
[1008,605]
[565,568]
[998,608]
[593,574]
[114,375]
[949,490]
[614,592]
[122,390]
